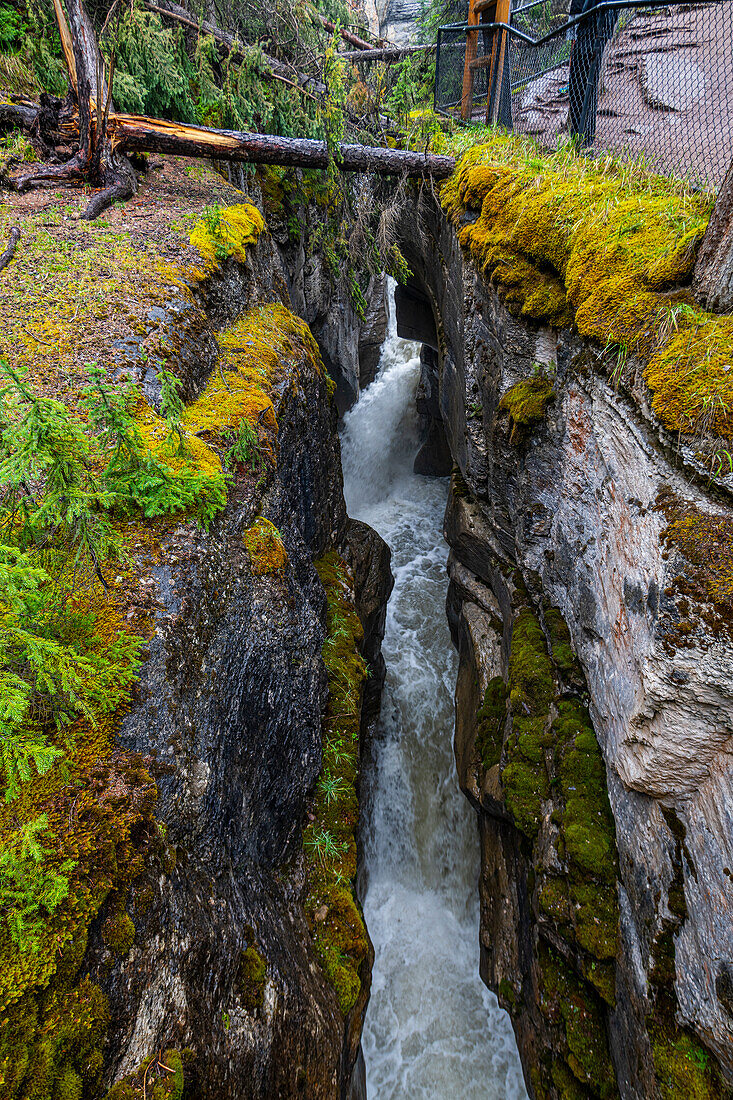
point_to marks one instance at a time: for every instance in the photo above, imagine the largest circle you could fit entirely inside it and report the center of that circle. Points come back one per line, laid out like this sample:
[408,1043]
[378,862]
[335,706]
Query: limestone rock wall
[583,616]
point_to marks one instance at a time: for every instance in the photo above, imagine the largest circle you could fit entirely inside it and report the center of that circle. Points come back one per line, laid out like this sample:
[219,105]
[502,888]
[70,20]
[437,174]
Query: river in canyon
[433,1030]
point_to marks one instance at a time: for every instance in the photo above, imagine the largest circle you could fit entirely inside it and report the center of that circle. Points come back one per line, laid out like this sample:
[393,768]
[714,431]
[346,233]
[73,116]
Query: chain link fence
[640,81]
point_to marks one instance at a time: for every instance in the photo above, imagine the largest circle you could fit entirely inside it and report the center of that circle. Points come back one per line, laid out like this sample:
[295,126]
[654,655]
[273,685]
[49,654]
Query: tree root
[120,182]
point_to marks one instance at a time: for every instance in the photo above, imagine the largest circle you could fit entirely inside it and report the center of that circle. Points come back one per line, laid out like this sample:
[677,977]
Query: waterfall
[433,1031]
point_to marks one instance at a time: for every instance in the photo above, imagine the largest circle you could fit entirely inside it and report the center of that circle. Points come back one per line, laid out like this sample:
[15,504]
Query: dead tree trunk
[138,134]
[347,36]
[105,135]
[712,281]
[95,161]
[388,55]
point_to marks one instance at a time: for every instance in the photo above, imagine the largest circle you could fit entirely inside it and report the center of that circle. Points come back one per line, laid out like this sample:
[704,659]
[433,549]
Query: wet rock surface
[230,707]
[568,584]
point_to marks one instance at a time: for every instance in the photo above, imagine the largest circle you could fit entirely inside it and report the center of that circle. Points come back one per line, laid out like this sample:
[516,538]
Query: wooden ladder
[485,11]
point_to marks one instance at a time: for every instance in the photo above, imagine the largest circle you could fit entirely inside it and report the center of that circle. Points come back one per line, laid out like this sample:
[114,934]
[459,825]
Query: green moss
[69,1085]
[531,689]
[560,643]
[595,909]
[508,993]
[531,681]
[159,1077]
[490,721]
[614,241]
[251,975]
[588,826]
[565,998]
[329,840]
[567,1086]
[683,1066]
[526,403]
[118,933]
[602,976]
[553,899]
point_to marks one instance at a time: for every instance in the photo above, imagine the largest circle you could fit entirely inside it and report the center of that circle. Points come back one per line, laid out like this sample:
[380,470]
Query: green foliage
[29,890]
[247,449]
[323,844]
[41,443]
[152,69]
[11,28]
[60,479]
[172,408]
[55,668]
[211,218]
[133,476]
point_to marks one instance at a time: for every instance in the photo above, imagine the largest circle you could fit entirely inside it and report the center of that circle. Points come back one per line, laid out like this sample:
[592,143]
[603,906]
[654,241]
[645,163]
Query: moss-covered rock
[567,236]
[265,547]
[158,1077]
[526,402]
[118,932]
[490,720]
[329,840]
[227,231]
[531,690]
[568,1000]
[251,975]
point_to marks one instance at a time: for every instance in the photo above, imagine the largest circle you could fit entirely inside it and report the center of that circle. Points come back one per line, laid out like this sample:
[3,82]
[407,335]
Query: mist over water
[433,1031]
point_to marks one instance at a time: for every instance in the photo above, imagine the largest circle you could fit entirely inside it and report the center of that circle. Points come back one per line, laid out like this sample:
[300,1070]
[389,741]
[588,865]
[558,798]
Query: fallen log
[105,135]
[388,55]
[13,238]
[347,36]
[139,134]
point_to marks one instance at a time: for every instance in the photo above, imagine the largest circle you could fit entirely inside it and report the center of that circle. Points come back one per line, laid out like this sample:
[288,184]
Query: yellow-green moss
[526,402]
[118,932]
[265,547]
[159,1077]
[251,975]
[329,840]
[227,232]
[615,241]
[263,346]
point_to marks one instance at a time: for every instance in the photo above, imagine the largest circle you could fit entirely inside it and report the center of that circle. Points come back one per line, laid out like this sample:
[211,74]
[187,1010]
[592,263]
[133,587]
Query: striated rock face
[349,345]
[594,705]
[230,706]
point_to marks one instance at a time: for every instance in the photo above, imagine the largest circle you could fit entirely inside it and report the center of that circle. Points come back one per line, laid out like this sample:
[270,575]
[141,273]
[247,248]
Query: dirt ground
[77,291]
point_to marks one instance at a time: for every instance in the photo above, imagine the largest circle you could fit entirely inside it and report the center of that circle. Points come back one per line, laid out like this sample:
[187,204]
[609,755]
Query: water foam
[433,1031]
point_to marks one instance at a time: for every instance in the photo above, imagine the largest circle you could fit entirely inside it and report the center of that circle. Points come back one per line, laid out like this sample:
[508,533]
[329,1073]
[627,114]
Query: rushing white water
[433,1031]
